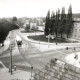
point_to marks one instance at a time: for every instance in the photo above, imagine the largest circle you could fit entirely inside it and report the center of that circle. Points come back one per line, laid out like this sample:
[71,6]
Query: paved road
[28,55]
[36,58]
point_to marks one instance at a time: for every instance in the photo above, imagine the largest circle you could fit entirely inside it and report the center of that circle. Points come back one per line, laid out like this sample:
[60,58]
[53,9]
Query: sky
[35,8]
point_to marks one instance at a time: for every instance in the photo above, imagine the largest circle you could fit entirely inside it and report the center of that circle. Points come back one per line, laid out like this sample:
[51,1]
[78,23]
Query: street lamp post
[39,42]
[11,58]
[31,72]
[11,47]
[49,38]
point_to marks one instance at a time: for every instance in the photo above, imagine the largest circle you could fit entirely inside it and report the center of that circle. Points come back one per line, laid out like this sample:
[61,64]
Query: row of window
[77,30]
[77,25]
[76,36]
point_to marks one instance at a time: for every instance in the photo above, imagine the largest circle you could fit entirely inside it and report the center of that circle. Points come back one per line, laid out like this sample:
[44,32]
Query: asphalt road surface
[28,55]
[36,58]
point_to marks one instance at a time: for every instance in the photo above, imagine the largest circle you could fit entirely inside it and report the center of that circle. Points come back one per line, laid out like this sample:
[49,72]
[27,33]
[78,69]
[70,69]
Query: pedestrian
[66,48]
[9,68]
[76,56]
[14,67]
[74,48]
[56,43]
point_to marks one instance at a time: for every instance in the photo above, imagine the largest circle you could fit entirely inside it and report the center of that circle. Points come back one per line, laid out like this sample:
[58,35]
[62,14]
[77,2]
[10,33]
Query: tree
[14,19]
[14,24]
[4,29]
[56,24]
[52,23]
[20,22]
[58,21]
[62,23]
[47,24]
[27,28]
[69,22]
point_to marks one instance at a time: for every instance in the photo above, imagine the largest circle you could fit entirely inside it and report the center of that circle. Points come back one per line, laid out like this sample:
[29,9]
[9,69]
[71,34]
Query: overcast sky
[35,8]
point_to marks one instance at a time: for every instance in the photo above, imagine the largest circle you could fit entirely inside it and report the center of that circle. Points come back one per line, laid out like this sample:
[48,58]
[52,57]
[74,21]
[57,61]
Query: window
[76,30]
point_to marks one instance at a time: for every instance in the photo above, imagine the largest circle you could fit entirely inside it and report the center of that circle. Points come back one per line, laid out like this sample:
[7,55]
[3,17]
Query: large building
[76,26]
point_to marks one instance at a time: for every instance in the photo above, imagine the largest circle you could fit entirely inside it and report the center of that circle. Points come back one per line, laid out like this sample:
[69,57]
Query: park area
[45,39]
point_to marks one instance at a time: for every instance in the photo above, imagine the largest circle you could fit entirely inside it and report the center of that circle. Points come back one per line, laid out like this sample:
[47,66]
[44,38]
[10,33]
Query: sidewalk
[5,47]
[16,75]
[70,59]
[6,44]
[4,72]
[46,43]
[45,46]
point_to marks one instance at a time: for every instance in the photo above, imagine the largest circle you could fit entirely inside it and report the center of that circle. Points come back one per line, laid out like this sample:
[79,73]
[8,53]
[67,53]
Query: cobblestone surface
[58,71]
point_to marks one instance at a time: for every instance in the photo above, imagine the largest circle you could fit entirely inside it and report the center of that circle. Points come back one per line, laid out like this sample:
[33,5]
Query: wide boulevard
[29,55]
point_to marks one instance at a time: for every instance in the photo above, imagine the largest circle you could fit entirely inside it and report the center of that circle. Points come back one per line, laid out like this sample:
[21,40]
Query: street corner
[20,75]
[16,75]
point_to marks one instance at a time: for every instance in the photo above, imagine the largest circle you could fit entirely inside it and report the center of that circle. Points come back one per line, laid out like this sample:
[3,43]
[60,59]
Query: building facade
[76,26]
[33,25]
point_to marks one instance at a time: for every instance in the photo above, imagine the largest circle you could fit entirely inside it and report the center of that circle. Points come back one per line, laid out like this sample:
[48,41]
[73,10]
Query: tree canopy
[59,24]
[5,27]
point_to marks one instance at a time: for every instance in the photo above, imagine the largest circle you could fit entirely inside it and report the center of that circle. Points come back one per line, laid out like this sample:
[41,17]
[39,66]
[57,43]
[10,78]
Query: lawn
[32,31]
[43,38]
